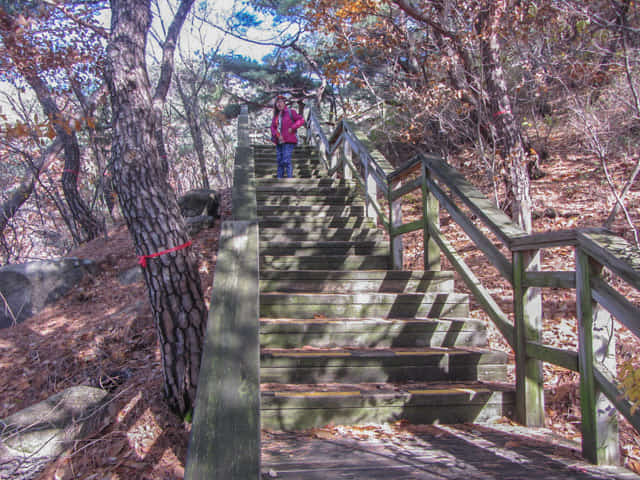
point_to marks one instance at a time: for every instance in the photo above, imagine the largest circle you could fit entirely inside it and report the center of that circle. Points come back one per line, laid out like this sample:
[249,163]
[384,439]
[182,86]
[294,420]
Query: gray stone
[26,288]
[195,224]
[200,202]
[35,436]
[133,275]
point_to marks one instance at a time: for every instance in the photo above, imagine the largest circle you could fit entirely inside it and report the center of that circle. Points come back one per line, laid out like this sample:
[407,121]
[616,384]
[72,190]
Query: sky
[218,12]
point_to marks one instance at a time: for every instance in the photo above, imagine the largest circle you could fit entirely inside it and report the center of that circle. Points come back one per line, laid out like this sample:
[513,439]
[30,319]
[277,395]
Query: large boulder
[26,288]
[200,202]
[35,436]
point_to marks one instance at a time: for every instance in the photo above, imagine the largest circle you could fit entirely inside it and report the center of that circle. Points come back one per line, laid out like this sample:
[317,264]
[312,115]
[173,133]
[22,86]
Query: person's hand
[290,130]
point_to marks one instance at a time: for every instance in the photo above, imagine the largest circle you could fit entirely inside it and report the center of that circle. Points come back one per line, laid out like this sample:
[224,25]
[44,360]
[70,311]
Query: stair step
[328,281]
[298,407]
[303,190]
[386,305]
[312,210]
[357,247]
[372,332]
[323,262]
[380,365]
[327,234]
[290,200]
[313,223]
[303,182]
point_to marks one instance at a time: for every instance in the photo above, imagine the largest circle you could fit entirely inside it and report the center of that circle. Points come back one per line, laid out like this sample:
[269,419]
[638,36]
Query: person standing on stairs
[283,133]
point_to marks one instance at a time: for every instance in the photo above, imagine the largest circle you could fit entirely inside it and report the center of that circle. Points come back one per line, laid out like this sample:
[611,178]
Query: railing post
[596,343]
[431,212]
[371,187]
[395,220]
[347,174]
[528,326]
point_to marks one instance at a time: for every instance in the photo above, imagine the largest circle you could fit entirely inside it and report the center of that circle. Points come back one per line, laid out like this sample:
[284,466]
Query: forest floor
[104,329]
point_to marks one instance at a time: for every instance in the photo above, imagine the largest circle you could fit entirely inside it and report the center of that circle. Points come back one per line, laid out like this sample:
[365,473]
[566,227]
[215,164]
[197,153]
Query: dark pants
[283,155]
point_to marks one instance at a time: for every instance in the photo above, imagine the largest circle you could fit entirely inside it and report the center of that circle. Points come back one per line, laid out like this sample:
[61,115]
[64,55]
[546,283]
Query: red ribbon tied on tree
[142,259]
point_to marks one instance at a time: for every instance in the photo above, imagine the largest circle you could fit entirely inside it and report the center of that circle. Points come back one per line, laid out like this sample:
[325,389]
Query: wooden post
[431,211]
[395,220]
[596,343]
[347,174]
[372,189]
[527,306]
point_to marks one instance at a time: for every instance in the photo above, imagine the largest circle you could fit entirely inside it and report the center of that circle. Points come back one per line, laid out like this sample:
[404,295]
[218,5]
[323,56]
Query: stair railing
[516,256]
[225,434]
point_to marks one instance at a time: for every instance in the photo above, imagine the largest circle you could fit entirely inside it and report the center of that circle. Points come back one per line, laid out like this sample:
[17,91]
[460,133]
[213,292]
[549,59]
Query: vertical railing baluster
[527,306]
[347,174]
[596,347]
[431,212]
[395,220]
[371,187]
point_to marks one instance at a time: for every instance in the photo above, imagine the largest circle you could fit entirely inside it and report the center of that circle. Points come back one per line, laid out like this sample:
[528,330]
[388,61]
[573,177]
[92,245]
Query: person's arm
[298,120]
[274,127]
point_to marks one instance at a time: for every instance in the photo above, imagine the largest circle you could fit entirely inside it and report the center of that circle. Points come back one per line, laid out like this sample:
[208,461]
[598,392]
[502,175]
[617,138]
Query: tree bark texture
[516,177]
[149,203]
[90,227]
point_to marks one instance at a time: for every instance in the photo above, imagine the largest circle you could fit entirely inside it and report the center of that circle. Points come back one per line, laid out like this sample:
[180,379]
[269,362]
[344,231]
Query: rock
[132,275]
[28,287]
[35,436]
[200,202]
[195,224]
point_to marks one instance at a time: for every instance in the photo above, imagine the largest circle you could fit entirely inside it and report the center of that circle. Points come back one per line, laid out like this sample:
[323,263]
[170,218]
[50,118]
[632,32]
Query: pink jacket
[287,123]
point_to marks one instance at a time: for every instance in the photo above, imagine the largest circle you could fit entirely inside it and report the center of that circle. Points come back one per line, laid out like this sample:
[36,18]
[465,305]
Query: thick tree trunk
[516,178]
[149,203]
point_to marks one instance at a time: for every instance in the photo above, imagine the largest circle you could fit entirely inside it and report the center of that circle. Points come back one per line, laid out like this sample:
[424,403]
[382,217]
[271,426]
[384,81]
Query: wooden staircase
[346,340]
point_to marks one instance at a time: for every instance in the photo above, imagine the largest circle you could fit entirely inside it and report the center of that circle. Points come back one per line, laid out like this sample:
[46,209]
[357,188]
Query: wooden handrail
[225,435]
[595,249]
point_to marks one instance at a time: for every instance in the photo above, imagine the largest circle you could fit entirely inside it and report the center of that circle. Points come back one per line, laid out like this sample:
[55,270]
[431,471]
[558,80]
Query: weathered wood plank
[527,305]
[314,126]
[225,437]
[408,227]
[483,243]
[556,356]
[480,293]
[408,187]
[372,201]
[615,253]
[545,240]
[244,204]
[607,385]
[406,169]
[431,210]
[504,228]
[599,425]
[621,308]
[550,279]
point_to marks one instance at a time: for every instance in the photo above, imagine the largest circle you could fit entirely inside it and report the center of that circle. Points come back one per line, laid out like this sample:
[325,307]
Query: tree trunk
[149,203]
[22,193]
[91,228]
[516,177]
[190,110]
